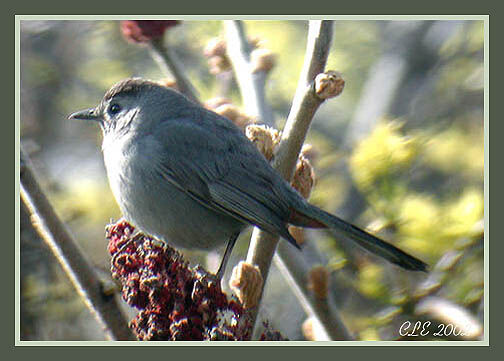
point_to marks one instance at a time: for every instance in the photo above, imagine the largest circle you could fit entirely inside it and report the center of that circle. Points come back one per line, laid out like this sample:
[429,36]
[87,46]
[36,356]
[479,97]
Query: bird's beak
[87,114]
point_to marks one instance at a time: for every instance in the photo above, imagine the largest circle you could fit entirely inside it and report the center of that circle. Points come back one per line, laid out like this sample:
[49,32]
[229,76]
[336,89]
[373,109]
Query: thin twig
[169,63]
[68,254]
[295,269]
[305,102]
[251,83]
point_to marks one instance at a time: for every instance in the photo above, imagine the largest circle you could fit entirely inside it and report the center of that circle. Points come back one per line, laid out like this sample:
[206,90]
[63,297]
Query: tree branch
[168,62]
[295,269]
[306,102]
[68,254]
[251,83]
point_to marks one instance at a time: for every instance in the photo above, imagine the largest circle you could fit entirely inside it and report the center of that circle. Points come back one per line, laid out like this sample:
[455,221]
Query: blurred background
[400,152]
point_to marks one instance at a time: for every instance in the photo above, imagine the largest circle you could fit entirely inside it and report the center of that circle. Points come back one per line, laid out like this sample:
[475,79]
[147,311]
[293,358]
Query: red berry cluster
[176,302]
[142,31]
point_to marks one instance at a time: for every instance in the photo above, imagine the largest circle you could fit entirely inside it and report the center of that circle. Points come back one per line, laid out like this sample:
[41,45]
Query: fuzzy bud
[246,281]
[216,102]
[215,47]
[329,84]
[298,233]
[234,114]
[218,60]
[169,83]
[309,152]
[264,137]
[219,64]
[262,60]
[307,329]
[313,330]
[304,177]
[255,42]
[318,281]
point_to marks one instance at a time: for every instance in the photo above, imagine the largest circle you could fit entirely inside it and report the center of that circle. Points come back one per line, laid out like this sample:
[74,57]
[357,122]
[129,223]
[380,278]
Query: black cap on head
[129,86]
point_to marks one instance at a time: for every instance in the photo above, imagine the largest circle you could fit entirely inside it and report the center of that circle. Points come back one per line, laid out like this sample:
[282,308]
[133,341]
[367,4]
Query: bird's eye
[114,109]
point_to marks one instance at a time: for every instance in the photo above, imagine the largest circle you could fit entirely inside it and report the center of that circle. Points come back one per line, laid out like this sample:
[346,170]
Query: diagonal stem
[263,245]
[166,59]
[68,254]
[251,83]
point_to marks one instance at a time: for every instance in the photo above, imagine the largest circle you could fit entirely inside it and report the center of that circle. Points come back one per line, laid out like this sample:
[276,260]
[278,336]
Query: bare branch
[251,83]
[169,63]
[306,102]
[295,269]
[68,254]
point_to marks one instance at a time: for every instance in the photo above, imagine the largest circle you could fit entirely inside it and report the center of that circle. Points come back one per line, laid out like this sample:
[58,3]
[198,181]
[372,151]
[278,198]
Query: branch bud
[215,47]
[265,138]
[329,84]
[246,281]
[313,330]
[318,281]
[304,177]
[298,234]
[169,83]
[234,114]
[262,60]
[219,64]
[214,103]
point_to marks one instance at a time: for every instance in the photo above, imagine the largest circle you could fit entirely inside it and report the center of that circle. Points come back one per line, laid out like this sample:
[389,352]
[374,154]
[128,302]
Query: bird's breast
[156,206]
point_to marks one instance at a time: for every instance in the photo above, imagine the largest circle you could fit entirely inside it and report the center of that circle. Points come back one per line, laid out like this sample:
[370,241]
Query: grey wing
[253,195]
[220,168]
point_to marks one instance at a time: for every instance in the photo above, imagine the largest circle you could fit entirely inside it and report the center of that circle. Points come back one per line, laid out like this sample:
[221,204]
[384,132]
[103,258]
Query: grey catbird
[190,177]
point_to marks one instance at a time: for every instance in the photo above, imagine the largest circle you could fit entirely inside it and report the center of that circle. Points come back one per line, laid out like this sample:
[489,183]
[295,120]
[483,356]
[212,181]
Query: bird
[190,177]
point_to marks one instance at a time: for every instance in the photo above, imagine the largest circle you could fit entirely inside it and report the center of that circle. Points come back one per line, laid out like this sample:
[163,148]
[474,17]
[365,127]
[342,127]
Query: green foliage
[370,281]
[380,157]
[443,151]
[381,166]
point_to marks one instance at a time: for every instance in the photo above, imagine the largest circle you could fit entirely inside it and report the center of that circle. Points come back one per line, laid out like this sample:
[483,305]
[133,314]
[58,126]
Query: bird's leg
[227,253]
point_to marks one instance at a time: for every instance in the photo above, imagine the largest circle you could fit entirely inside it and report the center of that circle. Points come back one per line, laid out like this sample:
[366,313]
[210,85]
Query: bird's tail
[310,216]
